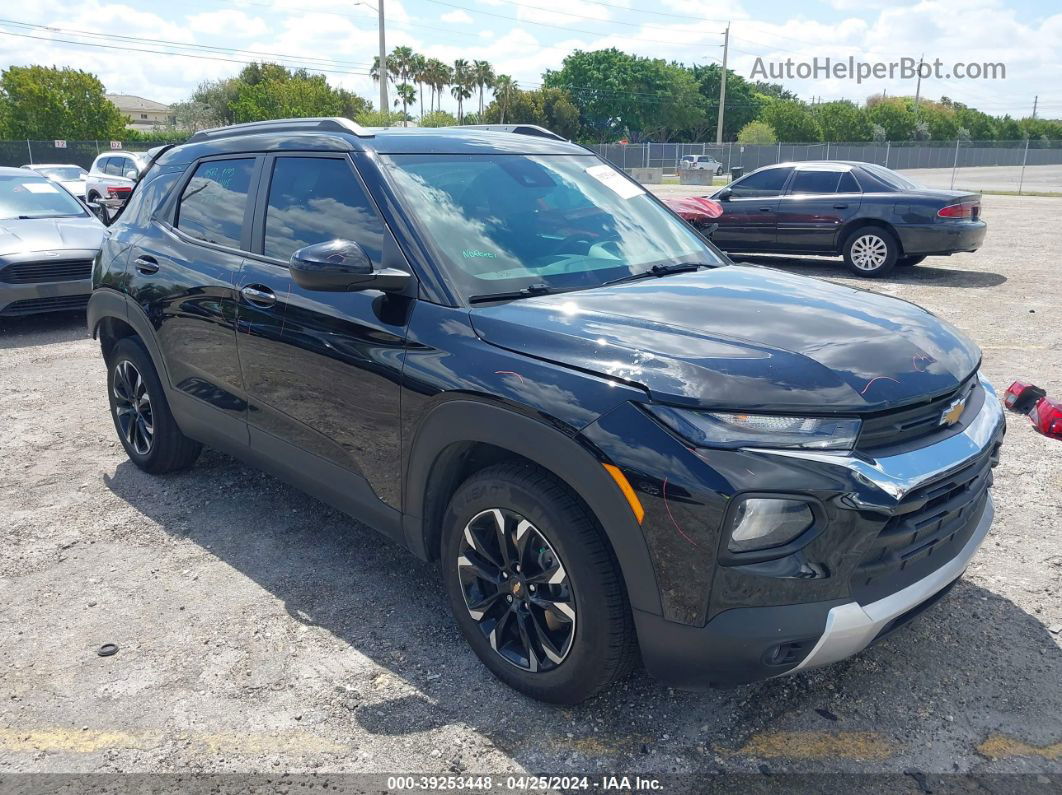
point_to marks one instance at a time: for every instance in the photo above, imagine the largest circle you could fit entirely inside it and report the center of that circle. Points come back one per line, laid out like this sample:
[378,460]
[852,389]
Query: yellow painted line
[996,746]
[79,741]
[868,746]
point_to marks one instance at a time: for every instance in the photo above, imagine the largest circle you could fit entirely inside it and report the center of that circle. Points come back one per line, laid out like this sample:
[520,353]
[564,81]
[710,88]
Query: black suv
[505,355]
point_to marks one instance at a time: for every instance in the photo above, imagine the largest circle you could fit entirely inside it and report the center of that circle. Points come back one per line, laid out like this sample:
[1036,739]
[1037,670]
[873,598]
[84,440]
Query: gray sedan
[47,242]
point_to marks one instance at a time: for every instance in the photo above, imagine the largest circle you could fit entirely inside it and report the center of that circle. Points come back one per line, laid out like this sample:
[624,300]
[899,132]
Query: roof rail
[519,129]
[323,124]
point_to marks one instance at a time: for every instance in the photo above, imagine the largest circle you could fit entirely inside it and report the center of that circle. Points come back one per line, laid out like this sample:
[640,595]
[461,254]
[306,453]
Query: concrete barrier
[695,176]
[647,176]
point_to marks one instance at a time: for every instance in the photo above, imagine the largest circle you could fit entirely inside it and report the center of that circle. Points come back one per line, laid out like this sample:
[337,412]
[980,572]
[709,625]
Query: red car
[698,211]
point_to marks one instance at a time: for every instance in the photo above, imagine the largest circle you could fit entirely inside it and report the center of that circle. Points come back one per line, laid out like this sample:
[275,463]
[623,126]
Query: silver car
[70,176]
[47,242]
[114,174]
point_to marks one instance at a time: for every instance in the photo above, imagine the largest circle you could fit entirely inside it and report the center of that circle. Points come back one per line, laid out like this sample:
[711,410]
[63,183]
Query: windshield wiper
[658,270]
[526,292]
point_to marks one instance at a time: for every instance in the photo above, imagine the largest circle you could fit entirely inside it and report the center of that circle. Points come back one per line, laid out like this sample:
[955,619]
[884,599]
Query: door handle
[146,264]
[259,295]
[840,206]
[765,209]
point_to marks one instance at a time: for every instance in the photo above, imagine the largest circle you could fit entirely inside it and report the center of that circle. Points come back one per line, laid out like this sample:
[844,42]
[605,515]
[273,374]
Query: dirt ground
[260,631]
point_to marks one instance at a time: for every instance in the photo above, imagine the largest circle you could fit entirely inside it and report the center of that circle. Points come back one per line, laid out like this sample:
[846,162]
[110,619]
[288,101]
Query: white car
[68,175]
[701,163]
[113,175]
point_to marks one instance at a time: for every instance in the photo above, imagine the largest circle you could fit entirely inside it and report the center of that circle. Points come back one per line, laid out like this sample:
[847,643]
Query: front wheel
[534,586]
[871,251]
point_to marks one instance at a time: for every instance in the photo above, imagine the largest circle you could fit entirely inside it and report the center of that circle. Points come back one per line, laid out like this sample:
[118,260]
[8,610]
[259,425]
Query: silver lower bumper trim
[851,627]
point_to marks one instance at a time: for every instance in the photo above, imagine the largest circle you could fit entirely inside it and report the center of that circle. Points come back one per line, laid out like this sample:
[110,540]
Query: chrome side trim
[900,474]
[851,627]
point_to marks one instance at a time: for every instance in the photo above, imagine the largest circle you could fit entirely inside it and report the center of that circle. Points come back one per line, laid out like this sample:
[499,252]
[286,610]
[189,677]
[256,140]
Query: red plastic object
[961,210]
[1046,417]
[695,209]
[1022,396]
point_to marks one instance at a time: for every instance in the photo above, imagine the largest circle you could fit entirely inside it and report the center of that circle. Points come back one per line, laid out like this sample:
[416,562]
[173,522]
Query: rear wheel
[907,262]
[141,415]
[871,251]
[534,587]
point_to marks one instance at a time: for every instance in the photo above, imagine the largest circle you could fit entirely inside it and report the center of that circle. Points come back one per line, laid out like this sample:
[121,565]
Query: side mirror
[342,266]
[99,211]
[724,195]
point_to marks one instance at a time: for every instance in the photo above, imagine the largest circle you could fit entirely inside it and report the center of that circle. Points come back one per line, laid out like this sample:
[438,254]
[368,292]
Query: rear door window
[315,199]
[814,181]
[214,201]
[848,183]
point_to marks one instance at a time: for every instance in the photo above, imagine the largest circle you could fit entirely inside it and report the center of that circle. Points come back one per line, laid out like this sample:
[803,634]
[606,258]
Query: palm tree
[484,75]
[504,89]
[407,95]
[438,78]
[462,85]
[419,66]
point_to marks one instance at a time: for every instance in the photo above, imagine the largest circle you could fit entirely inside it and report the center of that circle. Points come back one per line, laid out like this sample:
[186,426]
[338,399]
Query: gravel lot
[260,631]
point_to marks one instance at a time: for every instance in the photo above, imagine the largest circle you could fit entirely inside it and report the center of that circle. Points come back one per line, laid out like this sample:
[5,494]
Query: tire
[93,197]
[580,647]
[871,251]
[141,415]
[908,262]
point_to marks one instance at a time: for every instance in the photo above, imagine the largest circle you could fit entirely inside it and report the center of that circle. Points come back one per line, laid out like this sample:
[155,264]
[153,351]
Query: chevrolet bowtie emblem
[953,412]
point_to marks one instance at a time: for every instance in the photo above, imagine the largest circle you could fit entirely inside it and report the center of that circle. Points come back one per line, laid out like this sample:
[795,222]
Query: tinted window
[312,200]
[101,167]
[848,183]
[762,183]
[214,201]
[881,178]
[814,181]
[114,166]
[147,197]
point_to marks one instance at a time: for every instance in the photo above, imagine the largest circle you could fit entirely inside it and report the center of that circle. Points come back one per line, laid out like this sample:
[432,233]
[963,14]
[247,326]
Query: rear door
[183,273]
[748,221]
[322,369]
[816,204]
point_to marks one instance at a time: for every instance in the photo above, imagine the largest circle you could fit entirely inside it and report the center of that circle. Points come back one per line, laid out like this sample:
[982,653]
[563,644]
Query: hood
[741,337]
[50,234]
[75,186]
[694,208]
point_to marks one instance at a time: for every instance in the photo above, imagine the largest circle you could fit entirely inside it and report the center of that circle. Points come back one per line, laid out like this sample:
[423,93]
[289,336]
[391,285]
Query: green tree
[744,101]
[483,73]
[756,132]
[842,121]
[463,81]
[791,121]
[438,118]
[275,93]
[505,88]
[407,95]
[375,118]
[41,103]
[894,115]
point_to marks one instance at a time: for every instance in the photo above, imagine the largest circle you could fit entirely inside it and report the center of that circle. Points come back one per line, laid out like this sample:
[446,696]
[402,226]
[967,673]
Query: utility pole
[383,63]
[918,85]
[722,89]
[1036,99]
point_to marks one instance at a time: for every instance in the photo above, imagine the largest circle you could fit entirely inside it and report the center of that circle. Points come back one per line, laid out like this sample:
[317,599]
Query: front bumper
[941,238]
[747,642]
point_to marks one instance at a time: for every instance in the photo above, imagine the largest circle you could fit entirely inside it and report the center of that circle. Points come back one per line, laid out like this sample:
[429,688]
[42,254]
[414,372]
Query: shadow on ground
[44,329]
[929,273]
[974,664]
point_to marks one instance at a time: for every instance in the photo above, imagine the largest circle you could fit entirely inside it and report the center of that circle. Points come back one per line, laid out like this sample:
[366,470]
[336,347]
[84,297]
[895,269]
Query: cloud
[458,17]
[229,22]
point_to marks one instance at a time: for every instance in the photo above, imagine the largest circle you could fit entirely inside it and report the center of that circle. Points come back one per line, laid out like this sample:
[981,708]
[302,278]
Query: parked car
[113,175]
[72,177]
[701,163]
[47,242]
[873,217]
[699,212]
[505,355]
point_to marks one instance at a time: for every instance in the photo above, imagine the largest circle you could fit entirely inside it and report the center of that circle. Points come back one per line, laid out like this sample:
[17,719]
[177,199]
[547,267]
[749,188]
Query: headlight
[724,429]
[765,522]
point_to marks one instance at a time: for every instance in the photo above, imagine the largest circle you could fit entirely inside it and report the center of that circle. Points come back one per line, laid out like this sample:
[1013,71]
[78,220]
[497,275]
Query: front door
[748,222]
[321,369]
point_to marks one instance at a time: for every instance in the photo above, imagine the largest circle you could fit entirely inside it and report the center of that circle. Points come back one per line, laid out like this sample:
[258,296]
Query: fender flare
[462,421]
[105,302]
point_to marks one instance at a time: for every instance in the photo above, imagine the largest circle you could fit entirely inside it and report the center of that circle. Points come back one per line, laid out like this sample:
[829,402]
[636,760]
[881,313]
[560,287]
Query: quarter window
[312,200]
[214,200]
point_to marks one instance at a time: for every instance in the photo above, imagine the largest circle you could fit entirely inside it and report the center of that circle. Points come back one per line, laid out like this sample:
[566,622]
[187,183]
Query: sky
[522,38]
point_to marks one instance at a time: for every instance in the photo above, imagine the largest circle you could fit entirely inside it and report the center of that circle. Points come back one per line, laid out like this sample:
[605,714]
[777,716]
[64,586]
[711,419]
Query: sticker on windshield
[40,187]
[610,178]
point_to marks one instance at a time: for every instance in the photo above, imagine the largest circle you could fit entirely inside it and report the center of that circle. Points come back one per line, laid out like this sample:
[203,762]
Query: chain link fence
[1020,166]
[76,153]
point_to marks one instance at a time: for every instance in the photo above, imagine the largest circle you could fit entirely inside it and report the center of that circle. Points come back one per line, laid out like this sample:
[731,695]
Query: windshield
[32,196]
[502,222]
[61,173]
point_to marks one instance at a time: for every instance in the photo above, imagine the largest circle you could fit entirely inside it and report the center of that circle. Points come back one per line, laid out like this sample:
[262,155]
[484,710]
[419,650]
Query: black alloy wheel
[516,589]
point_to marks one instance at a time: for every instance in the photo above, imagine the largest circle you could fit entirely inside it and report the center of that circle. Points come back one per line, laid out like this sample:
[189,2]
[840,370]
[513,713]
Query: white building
[142,114]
